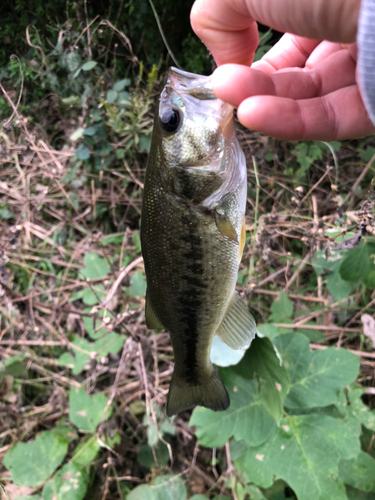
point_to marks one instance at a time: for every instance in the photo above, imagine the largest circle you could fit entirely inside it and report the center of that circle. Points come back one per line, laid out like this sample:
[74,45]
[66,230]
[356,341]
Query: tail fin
[210,393]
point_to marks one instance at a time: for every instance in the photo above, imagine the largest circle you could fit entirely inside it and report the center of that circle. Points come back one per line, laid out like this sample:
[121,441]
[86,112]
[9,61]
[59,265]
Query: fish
[193,235]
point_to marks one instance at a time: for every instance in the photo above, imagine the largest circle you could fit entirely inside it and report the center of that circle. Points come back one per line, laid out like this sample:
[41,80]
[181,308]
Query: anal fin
[152,321]
[238,327]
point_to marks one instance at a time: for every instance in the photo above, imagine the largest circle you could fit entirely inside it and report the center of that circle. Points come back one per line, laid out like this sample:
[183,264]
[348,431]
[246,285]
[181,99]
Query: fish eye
[170,120]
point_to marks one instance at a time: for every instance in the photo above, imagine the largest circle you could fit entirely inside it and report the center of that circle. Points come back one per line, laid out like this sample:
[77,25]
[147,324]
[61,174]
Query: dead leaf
[369,327]
[13,491]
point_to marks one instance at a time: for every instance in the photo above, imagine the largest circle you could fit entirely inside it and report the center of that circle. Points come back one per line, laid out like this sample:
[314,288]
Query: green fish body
[192,236]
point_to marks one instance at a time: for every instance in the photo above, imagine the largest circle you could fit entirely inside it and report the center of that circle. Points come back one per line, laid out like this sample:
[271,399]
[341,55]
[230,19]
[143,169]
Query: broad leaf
[81,354]
[89,65]
[305,452]
[359,264]
[352,406]
[109,344]
[137,286]
[316,376]
[86,452]
[121,84]
[359,472]
[95,267]
[281,309]
[83,351]
[91,295]
[32,463]
[247,417]
[337,287]
[164,488]
[262,361]
[86,412]
[69,483]
[331,262]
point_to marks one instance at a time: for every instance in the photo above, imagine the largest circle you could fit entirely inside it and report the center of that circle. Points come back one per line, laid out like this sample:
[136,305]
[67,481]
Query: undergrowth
[83,384]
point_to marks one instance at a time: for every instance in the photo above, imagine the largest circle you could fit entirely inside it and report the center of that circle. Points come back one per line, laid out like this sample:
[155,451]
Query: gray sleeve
[366,55]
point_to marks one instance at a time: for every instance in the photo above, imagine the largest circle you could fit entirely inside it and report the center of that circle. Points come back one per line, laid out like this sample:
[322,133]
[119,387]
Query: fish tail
[211,394]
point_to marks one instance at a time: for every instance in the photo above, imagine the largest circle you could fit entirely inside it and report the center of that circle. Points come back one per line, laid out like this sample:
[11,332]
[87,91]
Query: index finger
[230,35]
[229,30]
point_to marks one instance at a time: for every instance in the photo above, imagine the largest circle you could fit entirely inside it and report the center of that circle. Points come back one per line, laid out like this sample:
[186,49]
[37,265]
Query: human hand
[302,88]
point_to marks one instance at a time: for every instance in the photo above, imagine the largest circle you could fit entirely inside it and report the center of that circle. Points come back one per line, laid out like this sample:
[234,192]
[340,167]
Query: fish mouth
[199,86]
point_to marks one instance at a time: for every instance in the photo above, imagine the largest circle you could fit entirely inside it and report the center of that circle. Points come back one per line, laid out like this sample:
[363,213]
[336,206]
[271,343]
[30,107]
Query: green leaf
[121,84]
[359,264]
[262,361]
[111,96]
[95,267]
[359,472]
[353,406]
[223,355]
[82,152]
[73,100]
[316,376]
[164,488]
[305,452]
[86,452]
[353,494]
[6,214]
[268,330]
[81,349]
[76,134]
[137,286]
[94,325]
[337,287]
[90,295]
[281,309]
[332,262]
[367,153]
[198,497]
[145,144]
[89,65]
[69,483]
[120,154]
[32,463]
[109,344]
[86,412]
[13,366]
[145,456]
[142,492]
[90,131]
[246,418]
[123,100]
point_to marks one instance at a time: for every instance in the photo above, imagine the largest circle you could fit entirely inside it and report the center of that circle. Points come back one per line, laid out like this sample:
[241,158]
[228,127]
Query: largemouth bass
[193,234]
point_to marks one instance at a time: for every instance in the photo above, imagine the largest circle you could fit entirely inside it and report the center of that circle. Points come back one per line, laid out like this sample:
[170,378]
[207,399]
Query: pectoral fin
[238,327]
[152,321]
[225,226]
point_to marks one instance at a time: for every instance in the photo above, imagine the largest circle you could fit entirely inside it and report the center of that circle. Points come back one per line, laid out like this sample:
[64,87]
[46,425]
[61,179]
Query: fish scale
[192,216]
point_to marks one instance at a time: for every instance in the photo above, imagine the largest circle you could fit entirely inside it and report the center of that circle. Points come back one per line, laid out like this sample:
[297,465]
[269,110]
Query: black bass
[193,234]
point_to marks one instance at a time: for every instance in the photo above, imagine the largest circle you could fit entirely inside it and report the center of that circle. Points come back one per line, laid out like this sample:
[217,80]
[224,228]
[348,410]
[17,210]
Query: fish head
[192,122]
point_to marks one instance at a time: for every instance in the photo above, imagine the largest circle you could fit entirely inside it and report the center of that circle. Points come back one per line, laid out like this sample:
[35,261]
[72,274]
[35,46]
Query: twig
[362,354]
[307,298]
[162,34]
[332,328]
[119,279]
[298,270]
